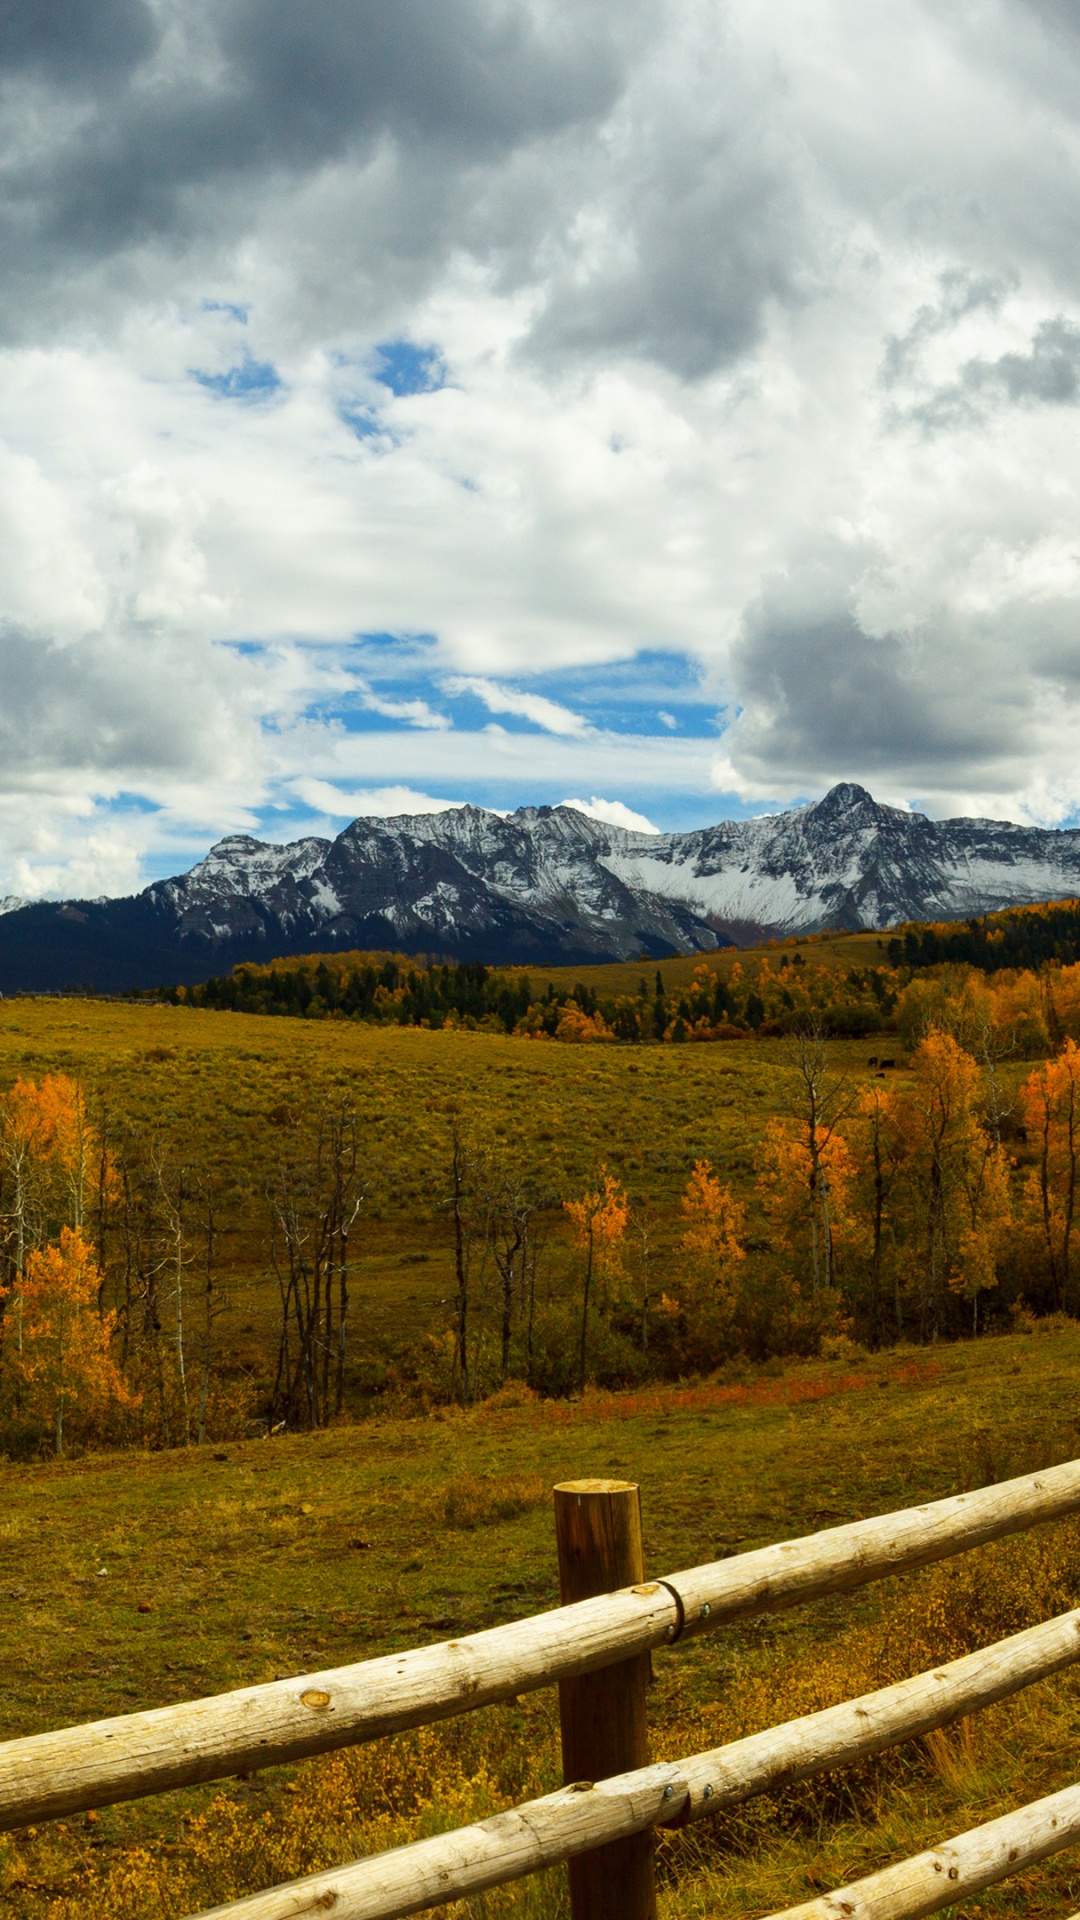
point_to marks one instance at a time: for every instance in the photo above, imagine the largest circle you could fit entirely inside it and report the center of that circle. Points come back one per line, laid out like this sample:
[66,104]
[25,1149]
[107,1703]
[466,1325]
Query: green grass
[215,1091]
[250,1568]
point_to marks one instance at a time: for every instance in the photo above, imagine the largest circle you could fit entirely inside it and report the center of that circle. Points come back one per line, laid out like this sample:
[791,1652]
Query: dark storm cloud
[708,231]
[85,43]
[469,74]
[823,696]
[665,242]
[294,87]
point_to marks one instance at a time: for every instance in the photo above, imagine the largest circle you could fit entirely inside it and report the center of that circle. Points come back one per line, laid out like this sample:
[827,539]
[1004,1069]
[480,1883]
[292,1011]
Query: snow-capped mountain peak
[542,885]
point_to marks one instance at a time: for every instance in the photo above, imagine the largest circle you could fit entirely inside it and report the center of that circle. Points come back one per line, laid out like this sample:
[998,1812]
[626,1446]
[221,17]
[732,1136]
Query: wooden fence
[596,1646]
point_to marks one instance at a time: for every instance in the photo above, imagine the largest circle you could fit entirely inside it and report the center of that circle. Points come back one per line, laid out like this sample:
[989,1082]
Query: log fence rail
[597,1649]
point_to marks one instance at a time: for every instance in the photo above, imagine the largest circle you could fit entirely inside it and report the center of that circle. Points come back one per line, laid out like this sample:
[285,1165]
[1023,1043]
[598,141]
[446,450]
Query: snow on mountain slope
[846,861]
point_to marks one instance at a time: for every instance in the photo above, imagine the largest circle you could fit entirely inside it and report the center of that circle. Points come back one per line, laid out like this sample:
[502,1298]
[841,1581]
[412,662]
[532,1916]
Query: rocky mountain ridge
[544,885]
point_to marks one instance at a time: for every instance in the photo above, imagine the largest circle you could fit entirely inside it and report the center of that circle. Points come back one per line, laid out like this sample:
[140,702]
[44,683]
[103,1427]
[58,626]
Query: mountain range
[544,885]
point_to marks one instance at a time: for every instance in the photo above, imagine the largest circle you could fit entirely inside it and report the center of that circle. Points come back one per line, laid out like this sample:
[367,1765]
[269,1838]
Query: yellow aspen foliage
[953,999]
[1020,1012]
[805,1186]
[990,1016]
[714,1252]
[875,1136]
[599,1222]
[1050,1102]
[956,1180]
[715,1219]
[580,1027]
[51,1141]
[1061,1002]
[599,1219]
[63,1357]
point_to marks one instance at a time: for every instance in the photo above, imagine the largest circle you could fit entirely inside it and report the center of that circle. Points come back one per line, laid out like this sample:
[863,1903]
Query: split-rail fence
[596,1647]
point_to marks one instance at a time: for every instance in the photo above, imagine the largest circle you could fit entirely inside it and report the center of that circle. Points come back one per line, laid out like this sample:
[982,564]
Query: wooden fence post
[604,1715]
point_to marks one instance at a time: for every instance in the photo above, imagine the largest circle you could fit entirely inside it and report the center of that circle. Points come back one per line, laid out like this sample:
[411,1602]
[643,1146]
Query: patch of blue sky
[364,422]
[248,380]
[654,695]
[389,653]
[249,648]
[387,709]
[127,802]
[232,309]
[407,368]
[654,692]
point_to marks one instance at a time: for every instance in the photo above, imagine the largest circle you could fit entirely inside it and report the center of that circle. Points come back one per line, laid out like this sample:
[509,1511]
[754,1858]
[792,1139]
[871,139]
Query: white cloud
[522,762]
[416,712]
[613,813]
[544,713]
[761,335]
[380,803]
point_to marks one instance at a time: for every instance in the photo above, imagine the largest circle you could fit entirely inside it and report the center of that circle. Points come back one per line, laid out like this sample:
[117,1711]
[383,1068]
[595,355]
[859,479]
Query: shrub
[480,1499]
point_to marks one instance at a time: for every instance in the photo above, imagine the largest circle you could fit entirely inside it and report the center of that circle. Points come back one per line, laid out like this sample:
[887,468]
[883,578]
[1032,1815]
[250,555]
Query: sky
[663,405]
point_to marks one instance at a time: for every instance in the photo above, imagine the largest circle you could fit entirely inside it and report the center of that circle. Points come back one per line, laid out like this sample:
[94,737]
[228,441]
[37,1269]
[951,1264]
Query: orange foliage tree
[599,1223]
[53,1154]
[50,1156]
[712,1240]
[806,1194]
[956,1180]
[580,1027]
[1061,1002]
[1050,1100]
[875,1140]
[63,1355]
[807,1168]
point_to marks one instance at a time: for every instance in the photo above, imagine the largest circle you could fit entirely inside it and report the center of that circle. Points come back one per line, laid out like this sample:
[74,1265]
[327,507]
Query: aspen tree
[712,1242]
[599,1222]
[1050,1101]
[64,1358]
[956,1176]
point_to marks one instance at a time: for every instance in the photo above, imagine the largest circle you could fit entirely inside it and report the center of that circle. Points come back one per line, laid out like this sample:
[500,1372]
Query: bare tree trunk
[209,1237]
[458,1175]
[585,1309]
[314,1206]
[177,1260]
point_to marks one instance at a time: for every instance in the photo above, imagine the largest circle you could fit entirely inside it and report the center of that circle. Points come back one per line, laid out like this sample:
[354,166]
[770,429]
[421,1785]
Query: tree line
[926,1207]
[391,990]
[1015,938]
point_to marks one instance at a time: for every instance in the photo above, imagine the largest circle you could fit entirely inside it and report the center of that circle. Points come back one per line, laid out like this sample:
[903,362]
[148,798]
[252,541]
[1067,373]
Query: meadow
[219,1095]
[137,1579]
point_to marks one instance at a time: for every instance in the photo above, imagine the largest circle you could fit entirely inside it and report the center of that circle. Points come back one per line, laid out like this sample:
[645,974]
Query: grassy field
[134,1580]
[216,1091]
